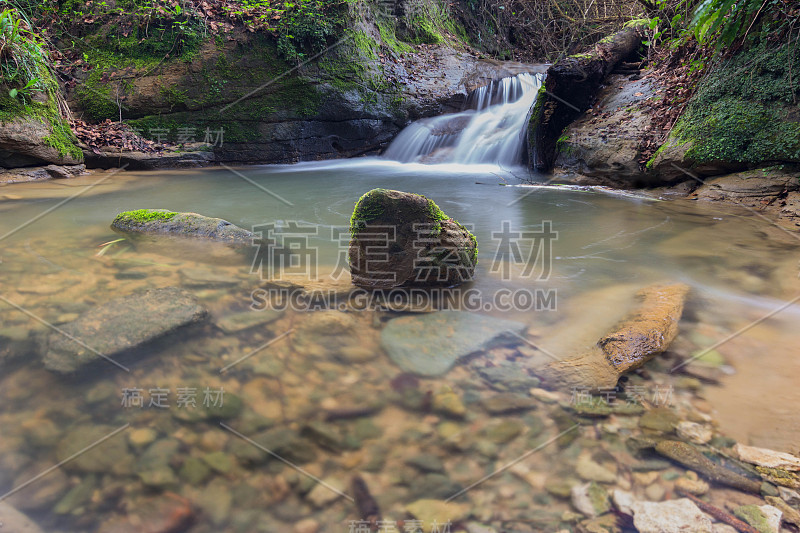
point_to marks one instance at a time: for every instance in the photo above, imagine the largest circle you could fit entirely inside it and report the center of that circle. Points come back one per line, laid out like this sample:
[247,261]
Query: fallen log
[644,333]
[570,87]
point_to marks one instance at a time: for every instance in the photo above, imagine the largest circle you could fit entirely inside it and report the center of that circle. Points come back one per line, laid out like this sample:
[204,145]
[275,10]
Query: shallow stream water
[55,264]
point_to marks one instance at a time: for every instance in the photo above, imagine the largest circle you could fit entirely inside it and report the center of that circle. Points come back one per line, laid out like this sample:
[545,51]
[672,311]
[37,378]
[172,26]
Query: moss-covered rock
[165,222]
[404,239]
[744,113]
[33,127]
[33,132]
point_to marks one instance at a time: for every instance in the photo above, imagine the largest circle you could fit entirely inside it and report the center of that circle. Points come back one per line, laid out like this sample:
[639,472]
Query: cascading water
[492,132]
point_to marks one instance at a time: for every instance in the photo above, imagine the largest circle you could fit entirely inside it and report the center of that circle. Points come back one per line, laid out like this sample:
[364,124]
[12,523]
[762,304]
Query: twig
[719,514]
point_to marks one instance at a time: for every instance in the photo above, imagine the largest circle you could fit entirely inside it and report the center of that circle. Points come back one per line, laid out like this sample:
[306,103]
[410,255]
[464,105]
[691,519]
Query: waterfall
[491,132]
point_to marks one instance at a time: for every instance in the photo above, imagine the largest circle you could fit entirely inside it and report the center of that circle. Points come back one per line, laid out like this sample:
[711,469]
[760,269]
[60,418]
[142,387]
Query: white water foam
[491,133]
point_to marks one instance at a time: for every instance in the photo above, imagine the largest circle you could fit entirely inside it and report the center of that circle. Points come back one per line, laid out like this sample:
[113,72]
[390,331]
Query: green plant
[304,28]
[724,21]
[21,56]
[24,93]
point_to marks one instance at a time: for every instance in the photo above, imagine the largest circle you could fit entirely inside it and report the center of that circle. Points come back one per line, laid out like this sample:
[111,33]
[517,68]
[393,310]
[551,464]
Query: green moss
[652,160]
[744,111]
[779,476]
[367,208]
[425,31]
[389,38]
[366,44]
[95,97]
[637,22]
[754,516]
[436,216]
[142,216]
[62,138]
[173,95]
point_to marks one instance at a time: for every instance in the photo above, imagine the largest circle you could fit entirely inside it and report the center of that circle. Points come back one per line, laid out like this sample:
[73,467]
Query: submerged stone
[441,512]
[120,325]
[448,403]
[504,431]
[110,456]
[431,344]
[77,496]
[13,520]
[426,463]
[768,458]
[645,332]
[404,239]
[164,222]
[692,458]
[508,403]
[247,319]
[673,516]
[764,518]
[590,499]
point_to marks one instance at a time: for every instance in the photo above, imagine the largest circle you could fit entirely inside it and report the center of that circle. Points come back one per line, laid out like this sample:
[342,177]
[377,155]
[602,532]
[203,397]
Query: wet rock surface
[646,332]
[193,225]
[403,239]
[773,190]
[675,516]
[430,345]
[22,143]
[602,146]
[23,174]
[118,326]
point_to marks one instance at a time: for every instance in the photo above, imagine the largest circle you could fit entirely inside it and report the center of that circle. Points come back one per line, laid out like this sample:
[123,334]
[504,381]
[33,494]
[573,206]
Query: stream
[741,268]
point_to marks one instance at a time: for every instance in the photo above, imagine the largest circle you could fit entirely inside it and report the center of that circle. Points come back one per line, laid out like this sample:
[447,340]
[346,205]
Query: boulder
[118,326]
[165,222]
[429,345]
[23,142]
[401,239]
[602,146]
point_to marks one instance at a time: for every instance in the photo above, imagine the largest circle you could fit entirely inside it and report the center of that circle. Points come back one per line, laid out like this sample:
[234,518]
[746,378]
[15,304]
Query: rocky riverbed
[191,429]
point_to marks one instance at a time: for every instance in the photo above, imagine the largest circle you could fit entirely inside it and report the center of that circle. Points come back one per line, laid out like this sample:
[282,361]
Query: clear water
[740,268]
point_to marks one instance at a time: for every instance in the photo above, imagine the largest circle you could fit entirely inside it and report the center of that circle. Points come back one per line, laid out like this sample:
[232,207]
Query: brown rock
[166,513]
[644,333]
[22,144]
[404,239]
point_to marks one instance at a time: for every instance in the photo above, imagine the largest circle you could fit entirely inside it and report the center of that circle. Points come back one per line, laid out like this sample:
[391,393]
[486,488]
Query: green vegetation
[743,111]
[306,27]
[366,209]
[28,87]
[144,215]
[436,216]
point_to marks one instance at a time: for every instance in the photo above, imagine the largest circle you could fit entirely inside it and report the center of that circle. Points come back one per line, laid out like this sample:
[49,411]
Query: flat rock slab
[120,325]
[673,516]
[430,345]
[165,222]
[13,520]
